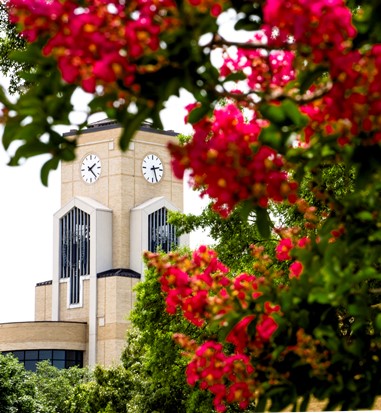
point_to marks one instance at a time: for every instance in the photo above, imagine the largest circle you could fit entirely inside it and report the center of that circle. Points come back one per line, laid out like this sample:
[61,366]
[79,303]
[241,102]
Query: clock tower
[114,206]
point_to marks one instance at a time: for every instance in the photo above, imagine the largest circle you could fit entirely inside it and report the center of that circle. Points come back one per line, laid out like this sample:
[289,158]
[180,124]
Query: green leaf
[273,137]
[376,236]
[198,113]
[50,165]
[304,403]
[319,295]
[291,110]
[307,78]
[274,113]
[263,222]
[234,77]
[377,322]
[365,216]
[28,150]
[261,405]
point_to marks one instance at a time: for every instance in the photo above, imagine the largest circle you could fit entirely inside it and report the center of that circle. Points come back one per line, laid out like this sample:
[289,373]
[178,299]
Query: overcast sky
[26,226]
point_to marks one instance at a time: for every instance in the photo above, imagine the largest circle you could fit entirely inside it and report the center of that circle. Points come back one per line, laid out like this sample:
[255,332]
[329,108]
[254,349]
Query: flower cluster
[320,28]
[230,165]
[215,7]
[353,104]
[97,42]
[264,70]
[187,282]
[200,287]
[311,352]
[210,366]
[283,252]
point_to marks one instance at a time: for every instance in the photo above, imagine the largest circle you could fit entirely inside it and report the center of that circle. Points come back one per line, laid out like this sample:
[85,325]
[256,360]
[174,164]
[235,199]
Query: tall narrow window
[74,249]
[161,234]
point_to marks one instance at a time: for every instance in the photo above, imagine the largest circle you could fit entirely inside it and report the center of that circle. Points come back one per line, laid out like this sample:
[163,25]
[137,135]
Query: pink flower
[238,334]
[266,328]
[283,249]
[296,268]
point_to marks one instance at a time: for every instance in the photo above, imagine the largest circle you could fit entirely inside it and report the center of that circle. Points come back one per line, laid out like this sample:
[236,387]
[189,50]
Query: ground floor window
[62,359]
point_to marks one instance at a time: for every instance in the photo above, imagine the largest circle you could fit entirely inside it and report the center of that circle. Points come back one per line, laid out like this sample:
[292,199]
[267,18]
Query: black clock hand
[90,169]
[154,171]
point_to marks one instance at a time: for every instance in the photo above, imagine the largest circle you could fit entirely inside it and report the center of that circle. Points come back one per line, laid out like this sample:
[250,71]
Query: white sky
[26,226]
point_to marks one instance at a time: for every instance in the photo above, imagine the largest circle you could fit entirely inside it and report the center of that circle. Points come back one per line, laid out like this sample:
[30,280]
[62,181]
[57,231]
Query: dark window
[74,249]
[58,358]
[161,234]
[59,354]
[60,364]
[31,355]
[19,354]
[46,354]
[30,365]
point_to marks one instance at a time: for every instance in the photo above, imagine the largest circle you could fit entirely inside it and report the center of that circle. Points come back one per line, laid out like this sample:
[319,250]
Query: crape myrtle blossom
[229,164]
[205,294]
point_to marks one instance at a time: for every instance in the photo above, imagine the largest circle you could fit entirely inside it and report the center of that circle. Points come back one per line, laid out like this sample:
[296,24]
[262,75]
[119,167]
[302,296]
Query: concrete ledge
[43,335]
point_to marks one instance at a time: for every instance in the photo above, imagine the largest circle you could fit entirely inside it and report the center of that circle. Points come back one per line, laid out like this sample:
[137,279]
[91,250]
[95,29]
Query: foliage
[107,392]
[10,40]
[155,361]
[54,387]
[300,126]
[17,393]
[232,236]
[153,356]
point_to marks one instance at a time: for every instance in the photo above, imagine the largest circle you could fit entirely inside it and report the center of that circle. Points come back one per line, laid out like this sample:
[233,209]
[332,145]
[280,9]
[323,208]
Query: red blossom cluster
[187,283]
[215,7]
[230,165]
[283,252]
[311,352]
[200,287]
[352,106]
[95,42]
[101,42]
[210,367]
[264,70]
[318,28]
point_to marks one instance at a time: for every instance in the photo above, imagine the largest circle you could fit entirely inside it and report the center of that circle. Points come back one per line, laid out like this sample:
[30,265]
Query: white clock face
[91,168]
[152,169]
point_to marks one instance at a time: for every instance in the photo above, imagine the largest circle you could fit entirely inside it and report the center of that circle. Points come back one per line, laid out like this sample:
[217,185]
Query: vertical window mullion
[74,242]
[88,241]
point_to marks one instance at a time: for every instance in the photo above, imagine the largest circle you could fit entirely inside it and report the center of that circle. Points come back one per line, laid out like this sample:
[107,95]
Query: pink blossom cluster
[188,283]
[318,28]
[283,252]
[352,107]
[263,69]
[210,367]
[230,165]
[98,41]
[200,287]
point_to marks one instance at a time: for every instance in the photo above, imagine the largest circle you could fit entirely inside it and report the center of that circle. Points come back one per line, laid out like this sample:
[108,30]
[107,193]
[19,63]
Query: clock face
[152,169]
[91,168]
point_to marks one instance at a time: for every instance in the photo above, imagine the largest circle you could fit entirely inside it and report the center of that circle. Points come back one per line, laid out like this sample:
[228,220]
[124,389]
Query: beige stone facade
[97,321]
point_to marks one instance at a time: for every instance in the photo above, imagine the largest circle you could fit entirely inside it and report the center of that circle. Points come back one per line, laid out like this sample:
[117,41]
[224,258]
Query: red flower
[266,328]
[283,249]
[296,268]
[238,335]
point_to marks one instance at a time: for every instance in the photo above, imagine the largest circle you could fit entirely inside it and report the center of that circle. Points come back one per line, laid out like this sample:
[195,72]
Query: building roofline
[108,124]
[119,272]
